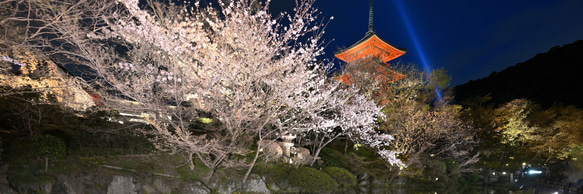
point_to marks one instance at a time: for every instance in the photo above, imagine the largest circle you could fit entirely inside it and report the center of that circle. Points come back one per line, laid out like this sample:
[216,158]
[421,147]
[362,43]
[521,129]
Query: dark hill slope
[547,78]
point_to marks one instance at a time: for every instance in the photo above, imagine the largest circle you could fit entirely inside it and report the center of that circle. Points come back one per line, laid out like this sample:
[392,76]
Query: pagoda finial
[370,18]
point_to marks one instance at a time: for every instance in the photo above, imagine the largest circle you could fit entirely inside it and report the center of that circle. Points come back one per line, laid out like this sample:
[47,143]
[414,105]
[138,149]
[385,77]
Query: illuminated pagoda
[371,54]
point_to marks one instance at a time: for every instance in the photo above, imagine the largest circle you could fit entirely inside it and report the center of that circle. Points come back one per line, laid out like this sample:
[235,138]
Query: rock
[195,187]
[363,179]
[43,185]
[229,188]
[274,187]
[150,190]
[376,181]
[255,185]
[5,189]
[43,73]
[283,184]
[271,150]
[123,185]
[68,185]
[363,190]
[94,182]
[401,181]
[162,186]
[3,170]
[301,156]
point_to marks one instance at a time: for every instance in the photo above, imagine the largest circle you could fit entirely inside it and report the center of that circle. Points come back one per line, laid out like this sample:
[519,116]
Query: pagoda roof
[380,71]
[370,45]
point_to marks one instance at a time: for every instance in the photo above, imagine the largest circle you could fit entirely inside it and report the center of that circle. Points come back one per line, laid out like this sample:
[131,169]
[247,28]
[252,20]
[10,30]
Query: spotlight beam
[413,36]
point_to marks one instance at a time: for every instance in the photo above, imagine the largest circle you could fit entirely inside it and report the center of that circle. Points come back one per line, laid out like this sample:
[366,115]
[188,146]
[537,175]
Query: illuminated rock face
[25,70]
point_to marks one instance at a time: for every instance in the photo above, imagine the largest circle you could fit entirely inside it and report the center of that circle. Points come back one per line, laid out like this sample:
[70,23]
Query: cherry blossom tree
[233,65]
[343,112]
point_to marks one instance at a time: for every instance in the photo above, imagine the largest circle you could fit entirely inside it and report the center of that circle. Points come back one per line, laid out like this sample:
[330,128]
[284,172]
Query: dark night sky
[470,39]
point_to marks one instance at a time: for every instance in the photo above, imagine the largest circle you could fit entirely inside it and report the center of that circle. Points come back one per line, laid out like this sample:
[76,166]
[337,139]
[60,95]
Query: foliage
[515,129]
[439,78]
[428,130]
[93,161]
[560,130]
[343,177]
[311,180]
[49,146]
[274,173]
[362,161]
[576,154]
[520,128]
[186,173]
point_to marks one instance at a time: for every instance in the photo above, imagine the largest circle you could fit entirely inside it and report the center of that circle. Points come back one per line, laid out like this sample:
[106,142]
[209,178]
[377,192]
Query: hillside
[547,78]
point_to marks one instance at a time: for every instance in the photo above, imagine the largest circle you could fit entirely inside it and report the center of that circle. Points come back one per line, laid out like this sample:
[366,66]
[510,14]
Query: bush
[49,147]
[93,161]
[311,180]
[273,173]
[343,177]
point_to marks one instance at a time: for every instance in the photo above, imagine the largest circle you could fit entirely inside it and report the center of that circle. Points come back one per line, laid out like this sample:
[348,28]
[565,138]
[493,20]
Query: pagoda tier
[376,70]
[370,45]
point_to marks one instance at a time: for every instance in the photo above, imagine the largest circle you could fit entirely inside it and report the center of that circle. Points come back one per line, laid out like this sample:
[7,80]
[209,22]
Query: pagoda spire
[370,19]
[370,45]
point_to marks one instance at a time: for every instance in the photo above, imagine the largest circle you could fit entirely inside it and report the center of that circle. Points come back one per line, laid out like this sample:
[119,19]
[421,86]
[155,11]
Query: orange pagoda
[371,54]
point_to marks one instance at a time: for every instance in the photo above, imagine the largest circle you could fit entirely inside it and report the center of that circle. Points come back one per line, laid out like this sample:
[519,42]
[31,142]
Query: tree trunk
[252,164]
[46,164]
[316,156]
[322,145]
[209,175]
[345,145]
[392,178]
[190,161]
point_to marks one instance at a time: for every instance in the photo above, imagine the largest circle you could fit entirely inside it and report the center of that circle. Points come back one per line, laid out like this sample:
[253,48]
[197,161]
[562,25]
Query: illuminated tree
[521,128]
[232,64]
[516,130]
[560,129]
[426,130]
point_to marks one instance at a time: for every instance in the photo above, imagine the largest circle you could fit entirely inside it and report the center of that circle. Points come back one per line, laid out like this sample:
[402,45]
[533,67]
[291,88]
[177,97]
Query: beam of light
[416,43]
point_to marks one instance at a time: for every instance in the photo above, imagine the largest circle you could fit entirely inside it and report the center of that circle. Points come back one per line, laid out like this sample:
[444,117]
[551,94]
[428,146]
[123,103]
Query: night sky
[470,39]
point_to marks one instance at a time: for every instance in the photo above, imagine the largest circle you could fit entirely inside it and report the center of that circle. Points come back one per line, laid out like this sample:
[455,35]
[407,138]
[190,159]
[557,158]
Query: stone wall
[96,182]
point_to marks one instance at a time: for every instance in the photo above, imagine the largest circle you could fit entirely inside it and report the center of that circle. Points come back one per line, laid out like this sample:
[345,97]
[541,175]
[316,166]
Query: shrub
[49,147]
[273,173]
[343,177]
[93,161]
[311,180]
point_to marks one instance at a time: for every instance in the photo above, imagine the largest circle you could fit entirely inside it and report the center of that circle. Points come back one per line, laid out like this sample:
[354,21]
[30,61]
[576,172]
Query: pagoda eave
[370,45]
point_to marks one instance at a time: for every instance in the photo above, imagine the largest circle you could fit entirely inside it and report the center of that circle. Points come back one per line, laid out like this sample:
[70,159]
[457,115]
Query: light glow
[535,172]
[416,43]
